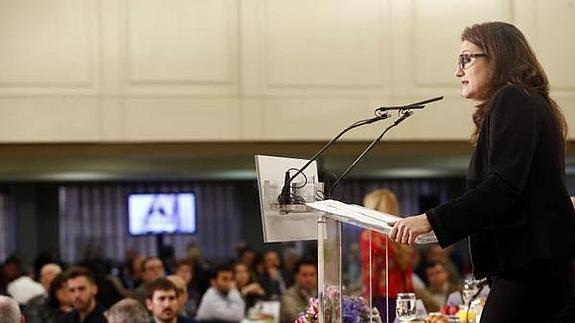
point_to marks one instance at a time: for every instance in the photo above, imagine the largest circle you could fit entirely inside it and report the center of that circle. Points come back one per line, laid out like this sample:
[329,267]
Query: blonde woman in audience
[400,268]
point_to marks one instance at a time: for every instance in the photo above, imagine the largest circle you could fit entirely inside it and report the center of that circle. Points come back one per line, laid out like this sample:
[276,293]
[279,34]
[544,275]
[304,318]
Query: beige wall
[225,70]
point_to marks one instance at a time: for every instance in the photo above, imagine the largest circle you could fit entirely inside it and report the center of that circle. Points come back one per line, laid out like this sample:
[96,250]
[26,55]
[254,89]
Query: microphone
[285,196]
[412,106]
[405,112]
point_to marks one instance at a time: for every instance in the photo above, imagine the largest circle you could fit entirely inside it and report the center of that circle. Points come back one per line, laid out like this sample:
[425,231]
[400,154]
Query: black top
[181,319]
[516,208]
[97,316]
[39,310]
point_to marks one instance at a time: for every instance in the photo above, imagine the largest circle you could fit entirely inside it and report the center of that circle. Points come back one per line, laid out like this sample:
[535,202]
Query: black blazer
[516,208]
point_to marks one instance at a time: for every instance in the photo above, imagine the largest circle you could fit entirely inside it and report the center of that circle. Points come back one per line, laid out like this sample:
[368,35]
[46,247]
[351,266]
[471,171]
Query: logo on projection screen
[162,213]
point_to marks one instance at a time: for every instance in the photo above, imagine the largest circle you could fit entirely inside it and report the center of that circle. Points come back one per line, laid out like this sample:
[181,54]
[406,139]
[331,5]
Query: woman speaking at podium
[516,211]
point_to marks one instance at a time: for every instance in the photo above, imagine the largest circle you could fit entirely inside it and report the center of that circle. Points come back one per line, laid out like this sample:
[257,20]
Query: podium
[317,220]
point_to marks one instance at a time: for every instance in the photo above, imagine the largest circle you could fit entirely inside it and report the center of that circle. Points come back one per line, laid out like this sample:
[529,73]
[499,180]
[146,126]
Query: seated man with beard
[162,302]
[82,291]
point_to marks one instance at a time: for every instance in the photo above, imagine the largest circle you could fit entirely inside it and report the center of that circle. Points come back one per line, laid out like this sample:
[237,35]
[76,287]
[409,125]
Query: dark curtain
[7,227]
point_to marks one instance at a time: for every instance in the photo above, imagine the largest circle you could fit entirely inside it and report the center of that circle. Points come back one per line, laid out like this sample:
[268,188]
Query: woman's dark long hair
[511,61]
[55,286]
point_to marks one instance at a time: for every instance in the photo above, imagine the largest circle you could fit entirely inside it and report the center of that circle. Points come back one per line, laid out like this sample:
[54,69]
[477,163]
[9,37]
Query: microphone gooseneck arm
[404,115]
[285,195]
[405,112]
[381,113]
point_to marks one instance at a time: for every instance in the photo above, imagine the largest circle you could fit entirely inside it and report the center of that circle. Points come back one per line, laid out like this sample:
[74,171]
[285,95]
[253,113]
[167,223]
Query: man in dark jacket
[83,289]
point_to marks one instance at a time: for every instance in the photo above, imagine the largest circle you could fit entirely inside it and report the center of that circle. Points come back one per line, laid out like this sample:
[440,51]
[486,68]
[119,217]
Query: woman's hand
[408,229]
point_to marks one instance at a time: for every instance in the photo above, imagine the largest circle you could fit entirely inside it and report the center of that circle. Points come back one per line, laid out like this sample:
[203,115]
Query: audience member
[162,302]
[222,301]
[10,311]
[352,273]
[185,270]
[434,253]
[131,274]
[24,288]
[187,308]
[152,269]
[44,257]
[248,257]
[250,290]
[52,307]
[290,259]
[127,310]
[10,270]
[439,284]
[47,274]
[108,291]
[296,298]
[201,278]
[83,289]
[271,279]
[376,250]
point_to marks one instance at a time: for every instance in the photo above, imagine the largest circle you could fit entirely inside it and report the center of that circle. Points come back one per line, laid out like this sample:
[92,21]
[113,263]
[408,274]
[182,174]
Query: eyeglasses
[466,60]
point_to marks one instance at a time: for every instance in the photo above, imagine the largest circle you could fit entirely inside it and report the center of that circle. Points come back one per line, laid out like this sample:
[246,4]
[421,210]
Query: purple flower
[354,309]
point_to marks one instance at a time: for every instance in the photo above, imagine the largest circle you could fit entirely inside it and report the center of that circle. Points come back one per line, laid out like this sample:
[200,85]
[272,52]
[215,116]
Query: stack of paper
[364,217]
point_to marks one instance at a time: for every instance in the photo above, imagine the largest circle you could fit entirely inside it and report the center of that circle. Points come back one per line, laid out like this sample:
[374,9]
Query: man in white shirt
[222,301]
[24,288]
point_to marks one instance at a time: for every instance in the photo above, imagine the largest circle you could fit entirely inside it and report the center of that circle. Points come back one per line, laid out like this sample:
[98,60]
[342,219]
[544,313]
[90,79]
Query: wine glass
[470,288]
[405,306]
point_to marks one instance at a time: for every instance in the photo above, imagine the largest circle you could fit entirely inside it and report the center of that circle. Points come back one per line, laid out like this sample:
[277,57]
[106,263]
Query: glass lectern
[335,225]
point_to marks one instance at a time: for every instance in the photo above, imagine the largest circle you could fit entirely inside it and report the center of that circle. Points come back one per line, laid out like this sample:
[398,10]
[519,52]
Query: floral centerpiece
[354,309]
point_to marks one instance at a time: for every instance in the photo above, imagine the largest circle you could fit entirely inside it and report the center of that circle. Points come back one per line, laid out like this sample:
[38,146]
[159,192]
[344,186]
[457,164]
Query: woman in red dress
[373,250]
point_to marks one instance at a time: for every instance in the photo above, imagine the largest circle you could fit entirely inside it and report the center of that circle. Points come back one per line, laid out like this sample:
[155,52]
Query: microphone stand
[404,114]
[285,196]
[381,113]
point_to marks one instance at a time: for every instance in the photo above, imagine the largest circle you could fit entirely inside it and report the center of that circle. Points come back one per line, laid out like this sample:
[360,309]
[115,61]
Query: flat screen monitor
[161,213]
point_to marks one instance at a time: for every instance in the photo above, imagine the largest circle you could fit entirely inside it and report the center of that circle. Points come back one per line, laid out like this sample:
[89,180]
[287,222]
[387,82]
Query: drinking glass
[470,288]
[405,306]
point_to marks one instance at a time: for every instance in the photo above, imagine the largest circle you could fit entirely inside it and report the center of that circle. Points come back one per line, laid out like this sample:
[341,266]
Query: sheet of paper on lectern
[364,217]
